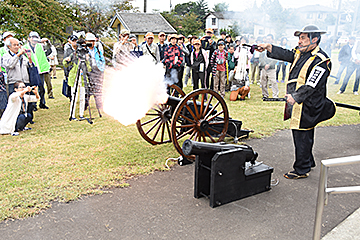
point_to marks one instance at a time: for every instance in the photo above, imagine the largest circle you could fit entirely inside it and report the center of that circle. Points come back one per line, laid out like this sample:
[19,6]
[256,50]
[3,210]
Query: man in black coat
[344,58]
[307,104]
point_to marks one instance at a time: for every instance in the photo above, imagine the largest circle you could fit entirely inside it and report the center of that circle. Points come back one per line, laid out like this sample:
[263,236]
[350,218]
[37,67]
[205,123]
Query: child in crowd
[219,67]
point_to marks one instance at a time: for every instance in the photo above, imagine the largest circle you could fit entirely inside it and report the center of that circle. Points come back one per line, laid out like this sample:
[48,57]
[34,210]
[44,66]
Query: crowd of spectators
[27,67]
[209,62]
[222,64]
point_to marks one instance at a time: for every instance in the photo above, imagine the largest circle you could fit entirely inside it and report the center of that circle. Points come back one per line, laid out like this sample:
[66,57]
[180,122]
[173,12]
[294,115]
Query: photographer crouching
[78,77]
[15,117]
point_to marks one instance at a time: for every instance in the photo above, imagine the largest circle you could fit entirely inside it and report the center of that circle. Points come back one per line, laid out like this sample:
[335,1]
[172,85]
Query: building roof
[226,15]
[141,23]
[316,8]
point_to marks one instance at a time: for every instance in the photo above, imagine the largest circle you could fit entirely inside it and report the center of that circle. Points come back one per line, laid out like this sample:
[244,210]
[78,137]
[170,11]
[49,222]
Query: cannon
[227,172]
[201,115]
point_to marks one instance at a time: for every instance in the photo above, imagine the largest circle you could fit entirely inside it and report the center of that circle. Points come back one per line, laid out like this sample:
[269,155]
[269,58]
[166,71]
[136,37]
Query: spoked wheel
[155,126]
[207,122]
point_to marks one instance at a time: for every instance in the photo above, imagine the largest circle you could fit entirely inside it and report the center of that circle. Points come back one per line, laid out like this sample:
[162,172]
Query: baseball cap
[90,37]
[180,36]
[221,42]
[35,36]
[209,30]
[161,33]
[196,41]
[124,32]
[6,34]
[132,36]
[172,36]
[149,35]
[73,38]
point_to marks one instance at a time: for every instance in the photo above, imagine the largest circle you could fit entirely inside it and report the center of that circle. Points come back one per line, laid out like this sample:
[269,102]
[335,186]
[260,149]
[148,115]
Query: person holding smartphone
[16,117]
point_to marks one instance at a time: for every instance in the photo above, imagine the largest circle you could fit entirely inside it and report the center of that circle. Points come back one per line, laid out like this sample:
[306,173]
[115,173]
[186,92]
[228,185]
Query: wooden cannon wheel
[155,127]
[200,123]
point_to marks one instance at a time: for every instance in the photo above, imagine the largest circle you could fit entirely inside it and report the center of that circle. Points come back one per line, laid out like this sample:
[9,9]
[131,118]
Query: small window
[320,15]
[213,21]
[261,31]
[309,16]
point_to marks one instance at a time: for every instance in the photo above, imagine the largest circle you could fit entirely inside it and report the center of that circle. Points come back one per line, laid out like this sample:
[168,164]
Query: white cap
[90,37]
[6,34]
[35,36]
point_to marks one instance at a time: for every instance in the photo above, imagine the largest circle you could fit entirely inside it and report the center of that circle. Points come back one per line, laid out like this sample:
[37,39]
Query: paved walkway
[161,205]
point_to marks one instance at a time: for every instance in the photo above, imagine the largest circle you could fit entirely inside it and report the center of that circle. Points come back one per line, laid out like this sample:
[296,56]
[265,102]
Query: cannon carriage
[201,116]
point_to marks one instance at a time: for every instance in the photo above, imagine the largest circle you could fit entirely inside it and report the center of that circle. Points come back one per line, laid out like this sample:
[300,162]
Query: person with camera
[69,48]
[16,117]
[96,75]
[39,58]
[16,63]
[77,83]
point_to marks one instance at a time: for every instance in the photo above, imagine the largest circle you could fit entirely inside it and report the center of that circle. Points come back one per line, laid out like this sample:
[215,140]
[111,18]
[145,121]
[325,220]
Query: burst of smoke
[130,91]
[172,78]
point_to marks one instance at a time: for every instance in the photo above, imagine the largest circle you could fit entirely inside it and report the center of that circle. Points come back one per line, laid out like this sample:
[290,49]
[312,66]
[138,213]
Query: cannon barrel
[173,101]
[196,148]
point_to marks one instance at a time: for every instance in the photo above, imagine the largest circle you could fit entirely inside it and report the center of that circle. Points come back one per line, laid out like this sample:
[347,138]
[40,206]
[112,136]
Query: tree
[94,16]
[47,17]
[221,7]
[199,8]
[187,24]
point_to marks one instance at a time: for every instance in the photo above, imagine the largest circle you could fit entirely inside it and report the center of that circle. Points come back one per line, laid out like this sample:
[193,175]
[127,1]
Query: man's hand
[267,66]
[125,39]
[264,46]
[290,99]
[35,91]
[68,59]
[246,87]
[20,52]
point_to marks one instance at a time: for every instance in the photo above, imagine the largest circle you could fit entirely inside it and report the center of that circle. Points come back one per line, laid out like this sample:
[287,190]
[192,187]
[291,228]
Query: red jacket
[173,57]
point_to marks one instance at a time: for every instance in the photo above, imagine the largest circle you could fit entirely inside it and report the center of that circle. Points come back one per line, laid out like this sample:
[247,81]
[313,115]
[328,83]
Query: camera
[82,49]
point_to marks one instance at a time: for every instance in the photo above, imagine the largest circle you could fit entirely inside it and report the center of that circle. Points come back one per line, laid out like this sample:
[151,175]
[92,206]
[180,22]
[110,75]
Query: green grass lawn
[61,161]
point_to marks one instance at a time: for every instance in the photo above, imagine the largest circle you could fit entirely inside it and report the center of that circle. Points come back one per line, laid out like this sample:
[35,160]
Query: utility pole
[337,24]
[145,2]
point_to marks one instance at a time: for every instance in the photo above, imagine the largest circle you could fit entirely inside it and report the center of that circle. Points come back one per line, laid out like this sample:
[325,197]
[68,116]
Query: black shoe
[35,109]
[31,122]
[43,107]
[51,98]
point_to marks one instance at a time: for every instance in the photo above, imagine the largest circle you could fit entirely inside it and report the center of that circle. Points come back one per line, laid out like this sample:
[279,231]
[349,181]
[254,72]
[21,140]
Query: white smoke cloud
[132,90]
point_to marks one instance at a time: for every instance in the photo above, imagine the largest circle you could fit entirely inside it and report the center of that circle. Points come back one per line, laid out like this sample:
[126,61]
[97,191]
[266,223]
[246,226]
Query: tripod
[82,68]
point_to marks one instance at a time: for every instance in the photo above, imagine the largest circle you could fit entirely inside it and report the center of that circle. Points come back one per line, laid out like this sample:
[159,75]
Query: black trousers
[196,77]
[180,77]
[209,82]
[303,142]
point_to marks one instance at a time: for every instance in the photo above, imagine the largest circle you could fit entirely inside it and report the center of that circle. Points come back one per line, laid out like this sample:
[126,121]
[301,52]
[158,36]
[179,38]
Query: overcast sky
[234,5]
